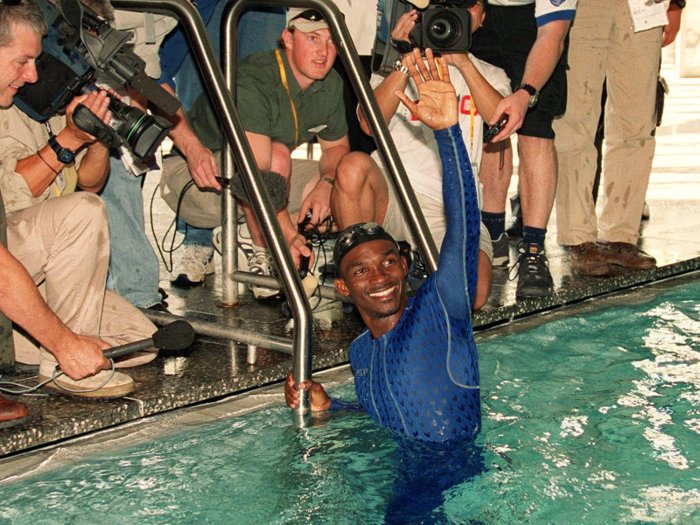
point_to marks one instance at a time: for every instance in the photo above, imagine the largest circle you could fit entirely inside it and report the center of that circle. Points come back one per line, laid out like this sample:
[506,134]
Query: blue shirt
[421,379]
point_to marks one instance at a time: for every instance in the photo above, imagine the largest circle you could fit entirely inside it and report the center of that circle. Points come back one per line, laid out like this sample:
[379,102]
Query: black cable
[161,244]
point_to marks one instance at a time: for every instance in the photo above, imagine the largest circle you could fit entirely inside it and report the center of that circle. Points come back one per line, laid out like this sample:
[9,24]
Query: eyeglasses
[10,3]
[310,14]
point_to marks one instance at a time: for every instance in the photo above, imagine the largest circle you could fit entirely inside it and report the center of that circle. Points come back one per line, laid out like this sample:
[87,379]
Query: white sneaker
[101,385]
[196,263]
[259,263]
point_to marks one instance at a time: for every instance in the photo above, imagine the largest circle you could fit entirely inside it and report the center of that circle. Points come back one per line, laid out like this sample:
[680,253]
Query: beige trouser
[64,245]
[202,207]
[604,47]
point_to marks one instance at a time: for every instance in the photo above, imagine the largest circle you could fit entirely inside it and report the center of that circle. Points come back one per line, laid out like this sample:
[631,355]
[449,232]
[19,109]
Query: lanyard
[291,102]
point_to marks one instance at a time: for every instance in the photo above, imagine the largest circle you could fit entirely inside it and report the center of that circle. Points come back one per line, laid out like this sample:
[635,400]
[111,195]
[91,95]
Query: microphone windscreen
[177,335]
[275,183]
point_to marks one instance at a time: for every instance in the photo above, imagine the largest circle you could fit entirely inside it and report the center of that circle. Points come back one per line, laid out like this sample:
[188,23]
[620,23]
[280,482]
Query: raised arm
[437,109]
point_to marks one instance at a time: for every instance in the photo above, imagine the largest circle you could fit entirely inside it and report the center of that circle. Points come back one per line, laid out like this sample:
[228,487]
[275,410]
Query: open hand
[437,104]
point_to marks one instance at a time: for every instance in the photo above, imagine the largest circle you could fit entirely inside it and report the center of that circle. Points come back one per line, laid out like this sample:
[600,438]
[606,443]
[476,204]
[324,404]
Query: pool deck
[215,369]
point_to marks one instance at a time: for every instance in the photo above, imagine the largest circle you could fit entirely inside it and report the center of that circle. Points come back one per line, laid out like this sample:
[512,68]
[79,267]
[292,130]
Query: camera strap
[283,75]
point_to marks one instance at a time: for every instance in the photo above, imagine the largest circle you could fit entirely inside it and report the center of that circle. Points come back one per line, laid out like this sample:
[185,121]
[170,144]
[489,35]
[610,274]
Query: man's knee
[281,160]
[354,172]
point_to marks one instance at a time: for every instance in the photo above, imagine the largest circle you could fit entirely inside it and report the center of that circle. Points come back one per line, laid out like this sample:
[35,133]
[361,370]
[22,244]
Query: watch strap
[65,155]
[398,66]
[328,180]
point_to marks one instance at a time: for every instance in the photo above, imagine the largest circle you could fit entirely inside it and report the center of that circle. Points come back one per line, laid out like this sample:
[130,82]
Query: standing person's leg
[632,74]
[495,174]
[577,225]
[133,265]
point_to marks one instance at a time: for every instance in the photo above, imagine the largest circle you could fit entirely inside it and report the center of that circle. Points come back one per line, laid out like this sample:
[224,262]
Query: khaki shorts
[201,208]
[434,213]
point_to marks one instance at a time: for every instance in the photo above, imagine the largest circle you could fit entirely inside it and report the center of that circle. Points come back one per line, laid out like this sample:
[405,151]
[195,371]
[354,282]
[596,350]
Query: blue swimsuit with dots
[421,379]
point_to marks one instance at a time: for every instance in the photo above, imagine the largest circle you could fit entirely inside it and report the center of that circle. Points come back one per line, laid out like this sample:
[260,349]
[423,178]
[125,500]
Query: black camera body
[80,47]
[444,27]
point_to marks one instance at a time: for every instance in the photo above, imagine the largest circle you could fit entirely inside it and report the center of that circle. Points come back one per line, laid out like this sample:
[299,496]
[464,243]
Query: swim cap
[355,235]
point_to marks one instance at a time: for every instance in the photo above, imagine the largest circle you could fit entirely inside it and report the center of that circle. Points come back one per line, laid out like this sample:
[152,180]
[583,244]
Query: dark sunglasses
[310,14]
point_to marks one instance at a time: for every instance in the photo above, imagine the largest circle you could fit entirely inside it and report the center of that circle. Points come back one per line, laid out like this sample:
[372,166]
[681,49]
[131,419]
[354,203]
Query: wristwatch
[398,66]
[63,154]
[534,95]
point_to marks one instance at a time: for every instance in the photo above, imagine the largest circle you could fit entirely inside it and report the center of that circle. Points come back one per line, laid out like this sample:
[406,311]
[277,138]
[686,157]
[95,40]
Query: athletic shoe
[99,386]
[261,263]
[195,264]
[534,279]
[515,227]
[501,251]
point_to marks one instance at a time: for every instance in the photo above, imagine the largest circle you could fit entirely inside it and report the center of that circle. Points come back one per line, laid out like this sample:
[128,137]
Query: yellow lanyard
[291,102]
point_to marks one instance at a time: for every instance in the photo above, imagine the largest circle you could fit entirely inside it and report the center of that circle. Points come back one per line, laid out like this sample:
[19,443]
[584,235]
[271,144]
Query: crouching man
[58,238]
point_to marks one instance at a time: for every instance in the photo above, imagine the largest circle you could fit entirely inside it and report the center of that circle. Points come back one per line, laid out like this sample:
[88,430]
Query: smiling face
[18,62]
[373,274]
[311,55]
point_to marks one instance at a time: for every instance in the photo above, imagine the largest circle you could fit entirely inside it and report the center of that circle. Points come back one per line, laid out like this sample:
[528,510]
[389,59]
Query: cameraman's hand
[98,103]
[299,249]
[458,60]
[405,25]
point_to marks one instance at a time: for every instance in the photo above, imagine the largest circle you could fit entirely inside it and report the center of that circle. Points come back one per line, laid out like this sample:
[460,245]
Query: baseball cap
[305,20]
[357,234]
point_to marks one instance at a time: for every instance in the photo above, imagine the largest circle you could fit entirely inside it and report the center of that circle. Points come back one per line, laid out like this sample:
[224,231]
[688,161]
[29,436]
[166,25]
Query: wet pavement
[214,369]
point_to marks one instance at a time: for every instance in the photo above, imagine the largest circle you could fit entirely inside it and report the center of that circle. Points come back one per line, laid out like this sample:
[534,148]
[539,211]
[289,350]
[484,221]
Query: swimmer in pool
[415,366]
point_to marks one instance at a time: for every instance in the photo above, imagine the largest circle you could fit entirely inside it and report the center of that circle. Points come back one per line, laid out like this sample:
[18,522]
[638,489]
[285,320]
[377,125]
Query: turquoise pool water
[591,419]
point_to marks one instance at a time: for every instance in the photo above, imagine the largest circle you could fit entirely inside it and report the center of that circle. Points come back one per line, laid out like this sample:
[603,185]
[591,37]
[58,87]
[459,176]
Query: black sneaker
[515,227]
[501,251]
[534,279]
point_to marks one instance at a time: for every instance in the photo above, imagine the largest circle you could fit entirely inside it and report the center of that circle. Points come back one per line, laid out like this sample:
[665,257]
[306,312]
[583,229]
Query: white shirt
[361,19]
[415,142]
[545,10]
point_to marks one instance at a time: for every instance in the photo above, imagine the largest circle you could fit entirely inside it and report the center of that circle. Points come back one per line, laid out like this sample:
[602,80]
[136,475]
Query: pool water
[586,419]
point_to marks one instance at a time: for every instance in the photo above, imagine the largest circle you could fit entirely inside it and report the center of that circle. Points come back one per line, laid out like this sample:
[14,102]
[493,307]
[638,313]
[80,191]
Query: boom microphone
[171,337]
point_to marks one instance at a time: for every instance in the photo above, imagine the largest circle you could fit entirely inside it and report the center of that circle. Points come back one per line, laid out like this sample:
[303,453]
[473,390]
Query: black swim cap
[355,235]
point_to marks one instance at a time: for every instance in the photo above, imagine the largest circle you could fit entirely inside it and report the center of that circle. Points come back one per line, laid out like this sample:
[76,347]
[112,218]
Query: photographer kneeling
[60,237]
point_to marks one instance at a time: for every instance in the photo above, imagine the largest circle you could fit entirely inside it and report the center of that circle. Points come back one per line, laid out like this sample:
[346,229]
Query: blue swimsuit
[421,379]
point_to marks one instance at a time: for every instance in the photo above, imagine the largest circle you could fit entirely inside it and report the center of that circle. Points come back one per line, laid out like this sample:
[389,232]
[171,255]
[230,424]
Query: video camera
[81,48]
[443,26]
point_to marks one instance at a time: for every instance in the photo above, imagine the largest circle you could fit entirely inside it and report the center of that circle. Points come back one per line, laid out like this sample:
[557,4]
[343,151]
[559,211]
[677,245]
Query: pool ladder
[237,152]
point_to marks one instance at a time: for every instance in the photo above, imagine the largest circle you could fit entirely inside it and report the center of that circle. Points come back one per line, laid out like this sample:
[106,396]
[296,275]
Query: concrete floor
[214,369]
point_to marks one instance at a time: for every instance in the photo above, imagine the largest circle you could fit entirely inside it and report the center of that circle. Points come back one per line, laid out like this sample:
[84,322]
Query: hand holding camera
[97,102]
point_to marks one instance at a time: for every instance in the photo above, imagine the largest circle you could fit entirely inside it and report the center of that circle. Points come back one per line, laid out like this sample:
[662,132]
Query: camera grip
[87,121]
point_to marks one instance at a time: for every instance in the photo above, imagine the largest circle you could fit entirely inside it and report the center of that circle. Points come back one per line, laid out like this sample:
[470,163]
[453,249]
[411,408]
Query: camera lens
[444,29]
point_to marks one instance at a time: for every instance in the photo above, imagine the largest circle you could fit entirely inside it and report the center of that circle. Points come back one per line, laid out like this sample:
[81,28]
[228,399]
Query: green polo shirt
[264,108]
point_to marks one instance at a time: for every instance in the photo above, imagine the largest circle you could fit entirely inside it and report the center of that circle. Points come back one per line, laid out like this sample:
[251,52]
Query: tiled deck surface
[214,369]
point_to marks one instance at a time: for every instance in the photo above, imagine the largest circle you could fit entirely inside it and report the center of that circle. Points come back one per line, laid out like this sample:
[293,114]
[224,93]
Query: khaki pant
[201,208]
[604,47]
[63,243]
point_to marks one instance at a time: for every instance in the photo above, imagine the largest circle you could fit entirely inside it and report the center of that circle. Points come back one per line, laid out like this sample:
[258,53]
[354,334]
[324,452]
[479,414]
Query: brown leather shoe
[627,255]
[12,413]
[586,259]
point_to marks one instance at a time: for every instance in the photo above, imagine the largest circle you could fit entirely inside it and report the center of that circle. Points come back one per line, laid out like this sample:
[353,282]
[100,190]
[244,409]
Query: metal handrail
[224,109]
